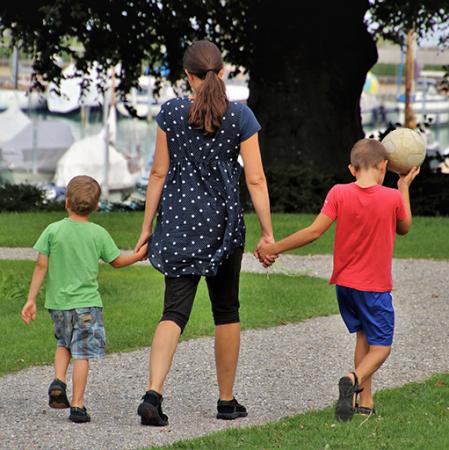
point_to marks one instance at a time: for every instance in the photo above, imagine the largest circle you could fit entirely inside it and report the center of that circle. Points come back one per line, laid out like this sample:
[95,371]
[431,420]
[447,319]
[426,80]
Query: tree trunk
[306,78]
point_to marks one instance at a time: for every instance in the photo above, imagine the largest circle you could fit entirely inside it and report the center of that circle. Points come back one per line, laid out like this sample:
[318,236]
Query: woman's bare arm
[257,185]
[155,186]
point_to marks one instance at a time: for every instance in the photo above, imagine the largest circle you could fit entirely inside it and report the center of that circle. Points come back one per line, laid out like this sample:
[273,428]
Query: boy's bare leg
[375,357]
[62,361]
[163,349]
[227,346]
[361,350]
[79,381]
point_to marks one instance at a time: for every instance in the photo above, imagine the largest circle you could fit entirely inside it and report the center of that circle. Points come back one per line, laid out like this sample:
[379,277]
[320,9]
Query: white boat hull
[24,100]
[425,107]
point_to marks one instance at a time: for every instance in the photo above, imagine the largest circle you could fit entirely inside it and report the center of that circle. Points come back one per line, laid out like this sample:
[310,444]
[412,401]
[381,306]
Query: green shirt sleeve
[109,251]
[42,245]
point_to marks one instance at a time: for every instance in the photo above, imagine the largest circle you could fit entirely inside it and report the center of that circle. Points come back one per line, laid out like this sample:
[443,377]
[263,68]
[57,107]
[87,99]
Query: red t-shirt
[364,236]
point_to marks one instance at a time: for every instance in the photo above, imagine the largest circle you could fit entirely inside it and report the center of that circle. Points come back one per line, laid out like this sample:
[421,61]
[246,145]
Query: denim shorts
[370,312]
[81,331]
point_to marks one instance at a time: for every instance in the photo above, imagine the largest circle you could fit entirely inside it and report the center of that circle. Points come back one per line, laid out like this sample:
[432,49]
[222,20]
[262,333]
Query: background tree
[306,61]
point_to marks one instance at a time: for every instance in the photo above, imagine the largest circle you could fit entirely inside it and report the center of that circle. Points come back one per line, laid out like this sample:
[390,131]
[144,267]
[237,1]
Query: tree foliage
[392,19]
[108,32]
[306,61]
[157,32]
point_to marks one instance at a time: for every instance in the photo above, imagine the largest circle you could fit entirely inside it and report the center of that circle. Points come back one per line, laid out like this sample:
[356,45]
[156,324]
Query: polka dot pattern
[200,218]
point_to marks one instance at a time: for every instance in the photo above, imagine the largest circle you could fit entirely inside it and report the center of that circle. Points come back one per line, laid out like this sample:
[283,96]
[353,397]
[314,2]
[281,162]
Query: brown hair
[203,59]
[83,194]
[367,153]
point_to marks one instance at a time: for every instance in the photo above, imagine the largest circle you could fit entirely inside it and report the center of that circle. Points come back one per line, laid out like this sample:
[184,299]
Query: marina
[46,138]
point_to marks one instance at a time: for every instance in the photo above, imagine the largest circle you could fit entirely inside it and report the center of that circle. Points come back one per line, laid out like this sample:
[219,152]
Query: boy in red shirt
[368,216]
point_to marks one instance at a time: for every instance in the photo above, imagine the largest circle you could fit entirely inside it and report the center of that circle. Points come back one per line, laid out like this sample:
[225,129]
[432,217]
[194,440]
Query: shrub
[429,192]
[26,197]
[20,197]
[302,189]
[296,189]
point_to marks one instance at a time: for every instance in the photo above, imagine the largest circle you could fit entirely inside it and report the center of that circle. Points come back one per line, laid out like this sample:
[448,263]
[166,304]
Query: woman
[194,185]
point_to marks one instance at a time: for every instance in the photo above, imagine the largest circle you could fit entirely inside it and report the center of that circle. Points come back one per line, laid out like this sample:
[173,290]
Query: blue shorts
[370,312]
[81,331]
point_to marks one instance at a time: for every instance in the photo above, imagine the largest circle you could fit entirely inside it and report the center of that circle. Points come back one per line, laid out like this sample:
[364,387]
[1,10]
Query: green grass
[415,416]
[382,69]
[427,238]
[133,300]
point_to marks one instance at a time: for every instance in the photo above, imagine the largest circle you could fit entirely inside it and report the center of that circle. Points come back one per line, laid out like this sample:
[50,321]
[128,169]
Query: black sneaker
[57,395]
[230,409]
[79,415]
[150,410]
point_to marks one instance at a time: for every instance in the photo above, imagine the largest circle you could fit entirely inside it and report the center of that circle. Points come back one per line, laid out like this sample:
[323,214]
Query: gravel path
[282,371]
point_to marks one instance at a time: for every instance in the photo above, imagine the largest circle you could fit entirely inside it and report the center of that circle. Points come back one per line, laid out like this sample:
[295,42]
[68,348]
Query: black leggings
[223,293]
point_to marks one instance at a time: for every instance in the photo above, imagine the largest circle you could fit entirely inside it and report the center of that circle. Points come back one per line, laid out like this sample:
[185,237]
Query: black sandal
[344,409]
[57,395]
[364,410]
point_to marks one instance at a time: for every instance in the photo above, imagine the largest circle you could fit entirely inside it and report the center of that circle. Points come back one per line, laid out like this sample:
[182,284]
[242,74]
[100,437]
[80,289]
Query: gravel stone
[282,371]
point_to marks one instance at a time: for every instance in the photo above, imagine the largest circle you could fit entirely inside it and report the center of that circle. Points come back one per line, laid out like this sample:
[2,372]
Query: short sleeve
[248,124]
[109,250]
[160,118]
[330,207]
[42,245]
[401,213]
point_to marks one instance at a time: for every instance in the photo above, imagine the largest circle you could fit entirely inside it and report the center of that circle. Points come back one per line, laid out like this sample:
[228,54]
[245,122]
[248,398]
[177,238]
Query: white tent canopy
[12,122]
[36,146]
[87,157]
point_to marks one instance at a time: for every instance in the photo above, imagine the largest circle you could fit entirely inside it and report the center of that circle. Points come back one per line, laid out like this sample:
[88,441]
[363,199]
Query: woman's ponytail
[204,60]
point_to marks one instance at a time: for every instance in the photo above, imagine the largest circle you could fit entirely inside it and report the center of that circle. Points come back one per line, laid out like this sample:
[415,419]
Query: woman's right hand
[143,239]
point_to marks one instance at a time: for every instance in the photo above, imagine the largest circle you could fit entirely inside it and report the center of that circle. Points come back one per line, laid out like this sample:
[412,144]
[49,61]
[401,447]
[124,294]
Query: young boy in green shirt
[69,252]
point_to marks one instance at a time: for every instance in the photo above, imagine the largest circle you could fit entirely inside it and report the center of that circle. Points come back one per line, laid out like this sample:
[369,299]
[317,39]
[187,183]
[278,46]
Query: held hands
[29,311]
[406,180]
[143,240]
[264,252]
[142,252]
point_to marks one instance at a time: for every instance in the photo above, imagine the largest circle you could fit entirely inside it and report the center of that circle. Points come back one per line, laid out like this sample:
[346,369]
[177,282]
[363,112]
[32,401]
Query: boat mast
[410,120]
[15,67]
[105,187]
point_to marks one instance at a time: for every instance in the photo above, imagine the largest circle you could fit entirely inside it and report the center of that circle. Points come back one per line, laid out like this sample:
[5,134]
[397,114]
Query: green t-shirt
[74,249]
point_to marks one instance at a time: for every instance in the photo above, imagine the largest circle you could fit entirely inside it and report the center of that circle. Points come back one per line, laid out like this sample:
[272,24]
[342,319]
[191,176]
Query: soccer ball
[406,148]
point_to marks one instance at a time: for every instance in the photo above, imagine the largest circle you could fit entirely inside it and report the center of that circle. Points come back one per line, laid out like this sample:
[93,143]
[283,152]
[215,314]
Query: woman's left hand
[143,239]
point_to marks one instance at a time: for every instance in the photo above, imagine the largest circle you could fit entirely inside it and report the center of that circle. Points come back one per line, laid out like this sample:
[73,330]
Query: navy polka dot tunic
[200,218]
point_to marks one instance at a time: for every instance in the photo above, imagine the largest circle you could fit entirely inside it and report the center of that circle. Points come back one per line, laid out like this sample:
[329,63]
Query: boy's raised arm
[302,237]
[29,309]
[404,182]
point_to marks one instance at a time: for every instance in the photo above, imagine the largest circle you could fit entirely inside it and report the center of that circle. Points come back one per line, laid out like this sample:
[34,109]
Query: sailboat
[88,157]
[421,102]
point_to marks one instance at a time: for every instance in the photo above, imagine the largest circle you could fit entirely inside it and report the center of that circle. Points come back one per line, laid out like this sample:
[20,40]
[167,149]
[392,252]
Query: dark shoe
[57,395]
[364,410]
[79,415]
[150,410]
[230,409]
[344,409]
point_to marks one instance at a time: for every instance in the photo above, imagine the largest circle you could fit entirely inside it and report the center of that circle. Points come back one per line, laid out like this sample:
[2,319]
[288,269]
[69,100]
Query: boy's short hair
[367,153]
[83,194]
